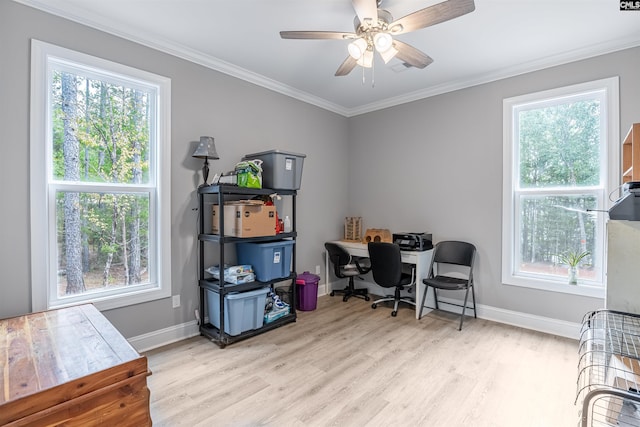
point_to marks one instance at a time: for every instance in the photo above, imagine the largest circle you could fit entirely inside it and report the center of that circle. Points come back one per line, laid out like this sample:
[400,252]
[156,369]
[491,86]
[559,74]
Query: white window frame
[43,187]
[610,181]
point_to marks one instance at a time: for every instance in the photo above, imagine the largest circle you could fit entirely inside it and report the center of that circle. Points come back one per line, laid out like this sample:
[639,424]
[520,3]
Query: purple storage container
[307,284]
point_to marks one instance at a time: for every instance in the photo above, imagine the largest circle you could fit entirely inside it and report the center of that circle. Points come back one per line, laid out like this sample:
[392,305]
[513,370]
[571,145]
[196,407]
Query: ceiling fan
[375,30]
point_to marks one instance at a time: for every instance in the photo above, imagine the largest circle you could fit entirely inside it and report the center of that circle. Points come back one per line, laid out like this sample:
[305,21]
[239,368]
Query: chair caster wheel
[366,298]
[374,305]
[332,293]
[394,313]
[345,298]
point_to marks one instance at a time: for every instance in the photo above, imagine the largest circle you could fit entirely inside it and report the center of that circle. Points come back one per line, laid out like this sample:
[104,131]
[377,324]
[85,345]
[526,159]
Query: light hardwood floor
[346,364]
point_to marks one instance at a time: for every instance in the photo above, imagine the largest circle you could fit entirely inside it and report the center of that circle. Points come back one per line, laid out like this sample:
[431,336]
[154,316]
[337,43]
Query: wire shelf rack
[608,386]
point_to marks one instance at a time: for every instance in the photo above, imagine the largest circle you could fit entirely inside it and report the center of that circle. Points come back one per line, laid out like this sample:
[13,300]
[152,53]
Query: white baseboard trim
[515,318]
[155,339]
[523,320]
[529,321]
[322,289]
[547,325]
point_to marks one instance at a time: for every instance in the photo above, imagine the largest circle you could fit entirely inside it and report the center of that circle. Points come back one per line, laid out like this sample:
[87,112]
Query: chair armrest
[363,265]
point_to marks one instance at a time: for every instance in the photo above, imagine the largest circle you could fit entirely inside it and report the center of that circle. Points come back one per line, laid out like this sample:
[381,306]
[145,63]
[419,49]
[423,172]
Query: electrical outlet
[317,269]
[175,300]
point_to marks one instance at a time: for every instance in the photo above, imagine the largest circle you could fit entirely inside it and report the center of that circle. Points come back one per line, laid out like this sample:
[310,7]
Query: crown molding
[541,64]
[224,67]
[190,55]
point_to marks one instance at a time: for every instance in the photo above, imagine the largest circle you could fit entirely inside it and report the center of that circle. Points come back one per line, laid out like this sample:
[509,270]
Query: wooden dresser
[70,367]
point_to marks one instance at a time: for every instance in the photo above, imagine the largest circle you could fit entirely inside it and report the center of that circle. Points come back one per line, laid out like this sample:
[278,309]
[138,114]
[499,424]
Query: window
[560,164]
[100,175]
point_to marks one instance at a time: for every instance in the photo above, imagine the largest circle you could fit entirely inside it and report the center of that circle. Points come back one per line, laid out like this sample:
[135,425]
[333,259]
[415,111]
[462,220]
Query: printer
[627,207]
[413,241]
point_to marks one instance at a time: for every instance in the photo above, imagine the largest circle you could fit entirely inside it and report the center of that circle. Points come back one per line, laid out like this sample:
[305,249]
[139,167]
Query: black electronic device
[413,241]
[627,207]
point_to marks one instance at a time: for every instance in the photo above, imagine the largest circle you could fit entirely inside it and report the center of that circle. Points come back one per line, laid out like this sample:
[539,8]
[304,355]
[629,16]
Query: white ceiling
[500,38]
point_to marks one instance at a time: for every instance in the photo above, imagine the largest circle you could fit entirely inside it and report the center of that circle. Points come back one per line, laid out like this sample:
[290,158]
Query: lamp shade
[357,48]
[206,149]
[388,54]
[382,42]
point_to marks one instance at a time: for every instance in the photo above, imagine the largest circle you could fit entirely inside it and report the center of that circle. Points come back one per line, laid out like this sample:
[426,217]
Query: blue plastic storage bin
[243,311]
[270,260]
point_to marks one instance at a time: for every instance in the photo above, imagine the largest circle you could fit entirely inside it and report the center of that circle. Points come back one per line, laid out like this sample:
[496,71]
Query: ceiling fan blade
[411,55]
[366,9]
[432,15]
[346,67]
[316,35]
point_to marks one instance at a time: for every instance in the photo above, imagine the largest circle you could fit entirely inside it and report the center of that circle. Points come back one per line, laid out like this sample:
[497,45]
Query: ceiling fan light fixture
[357,48]
[388,54]
[382,42]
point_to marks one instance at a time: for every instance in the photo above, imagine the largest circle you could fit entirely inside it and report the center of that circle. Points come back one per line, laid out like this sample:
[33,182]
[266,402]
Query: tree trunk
[112,149]
[134,245]
[86,261]
[124,248]
[112,243]
[72,222]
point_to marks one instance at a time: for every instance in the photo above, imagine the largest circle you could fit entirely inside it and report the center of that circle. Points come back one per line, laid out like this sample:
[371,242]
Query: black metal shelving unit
[217,195]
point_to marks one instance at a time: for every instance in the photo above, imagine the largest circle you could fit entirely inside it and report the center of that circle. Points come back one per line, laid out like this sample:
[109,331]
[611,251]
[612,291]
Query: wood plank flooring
[345,364]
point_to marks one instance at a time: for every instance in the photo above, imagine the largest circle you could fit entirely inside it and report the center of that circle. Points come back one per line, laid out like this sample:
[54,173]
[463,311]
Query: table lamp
[206,150]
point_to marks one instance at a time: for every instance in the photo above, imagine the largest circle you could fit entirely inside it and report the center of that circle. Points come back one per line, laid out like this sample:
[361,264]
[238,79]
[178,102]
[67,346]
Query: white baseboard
[164,336]
[547,325]
[529,321]
[523,320]
[322,289]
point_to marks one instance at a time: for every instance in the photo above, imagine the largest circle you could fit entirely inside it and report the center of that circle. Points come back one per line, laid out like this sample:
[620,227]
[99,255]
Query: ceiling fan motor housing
[382,24]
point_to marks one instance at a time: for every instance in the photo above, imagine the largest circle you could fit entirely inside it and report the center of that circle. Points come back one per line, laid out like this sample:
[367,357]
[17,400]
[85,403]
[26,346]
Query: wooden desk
[421,260]
[70,366]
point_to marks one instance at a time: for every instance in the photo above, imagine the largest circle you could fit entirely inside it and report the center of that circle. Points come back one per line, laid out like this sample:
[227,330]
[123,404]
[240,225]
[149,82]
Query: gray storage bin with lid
[243,311]
[281,170]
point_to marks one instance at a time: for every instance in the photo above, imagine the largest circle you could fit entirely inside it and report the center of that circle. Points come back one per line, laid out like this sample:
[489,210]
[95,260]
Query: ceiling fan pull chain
[363,80]
[373,74]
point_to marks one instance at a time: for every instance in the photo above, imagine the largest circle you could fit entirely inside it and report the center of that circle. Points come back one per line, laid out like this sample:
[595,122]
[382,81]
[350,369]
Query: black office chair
[457,254]
[386,265]
[345,266]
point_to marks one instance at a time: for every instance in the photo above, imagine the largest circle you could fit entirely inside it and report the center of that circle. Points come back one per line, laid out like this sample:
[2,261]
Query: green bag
[249,173]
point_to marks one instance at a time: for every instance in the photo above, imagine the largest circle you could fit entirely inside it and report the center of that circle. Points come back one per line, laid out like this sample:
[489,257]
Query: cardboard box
[229,220]
[246,219]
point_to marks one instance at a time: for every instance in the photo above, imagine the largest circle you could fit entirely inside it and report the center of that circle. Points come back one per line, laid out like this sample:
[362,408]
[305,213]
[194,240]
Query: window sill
[109,302]
[586,290]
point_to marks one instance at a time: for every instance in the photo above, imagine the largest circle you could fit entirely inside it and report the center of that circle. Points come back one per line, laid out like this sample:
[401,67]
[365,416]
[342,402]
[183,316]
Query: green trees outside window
[101,145]
[560,164]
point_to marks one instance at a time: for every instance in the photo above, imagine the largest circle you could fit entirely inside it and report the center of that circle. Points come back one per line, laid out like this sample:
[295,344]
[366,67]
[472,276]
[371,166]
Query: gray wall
[432,165]
[441,159]
[243,118]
